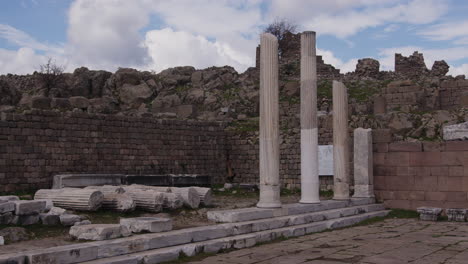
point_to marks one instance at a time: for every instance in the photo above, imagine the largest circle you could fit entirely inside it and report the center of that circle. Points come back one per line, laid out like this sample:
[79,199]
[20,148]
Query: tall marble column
[340,142]
[363,162]
[269,123]
[309,135]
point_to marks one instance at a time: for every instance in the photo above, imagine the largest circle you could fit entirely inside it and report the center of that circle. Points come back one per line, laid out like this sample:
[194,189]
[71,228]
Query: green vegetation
[362,91]
[109,217]
[324,89]
[248,125]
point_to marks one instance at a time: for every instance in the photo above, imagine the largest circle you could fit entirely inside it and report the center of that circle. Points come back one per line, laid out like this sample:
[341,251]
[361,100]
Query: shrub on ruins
[280,27]
[50,75]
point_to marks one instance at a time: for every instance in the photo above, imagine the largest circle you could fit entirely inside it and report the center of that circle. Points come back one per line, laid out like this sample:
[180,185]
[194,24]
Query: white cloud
[345,18]
[105,34]
[169,48]
[22,39]
[330,58]
[21,61]
[447,31]
[459,70]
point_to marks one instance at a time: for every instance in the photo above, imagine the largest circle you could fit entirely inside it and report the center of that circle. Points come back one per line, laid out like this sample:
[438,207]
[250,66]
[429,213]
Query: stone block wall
[38,145]
[408,175]
[454,94]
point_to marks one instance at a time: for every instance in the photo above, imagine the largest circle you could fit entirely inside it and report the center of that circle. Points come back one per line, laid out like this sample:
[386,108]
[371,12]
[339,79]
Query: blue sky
[157,34]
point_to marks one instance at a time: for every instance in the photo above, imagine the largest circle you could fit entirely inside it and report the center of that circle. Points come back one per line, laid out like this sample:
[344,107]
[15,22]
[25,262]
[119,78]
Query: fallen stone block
[57,211]
[456,132]
[7,198]
[6,218]
[84,222]
[7,207]
[429,213]
[15,234]
[69,219]
[97,232]
[49,204]
[72,198]
[456,214]
[147,224]
[29,207]
[25,219]
[49,219]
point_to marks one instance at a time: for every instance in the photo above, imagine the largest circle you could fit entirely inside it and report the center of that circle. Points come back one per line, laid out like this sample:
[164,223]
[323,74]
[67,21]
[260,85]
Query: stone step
[122,246]
[254,213]
[237,241]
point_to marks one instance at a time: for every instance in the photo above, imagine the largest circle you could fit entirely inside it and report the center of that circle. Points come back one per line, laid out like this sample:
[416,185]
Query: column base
[309,201]
[268,205]
[363,191]
[341,191]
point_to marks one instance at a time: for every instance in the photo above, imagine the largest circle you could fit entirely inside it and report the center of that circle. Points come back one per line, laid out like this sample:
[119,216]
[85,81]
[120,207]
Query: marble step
[77,253]
[254,213]
[236,242]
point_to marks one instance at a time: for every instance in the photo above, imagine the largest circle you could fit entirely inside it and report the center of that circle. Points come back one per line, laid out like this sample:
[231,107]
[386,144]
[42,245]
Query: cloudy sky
[157,34]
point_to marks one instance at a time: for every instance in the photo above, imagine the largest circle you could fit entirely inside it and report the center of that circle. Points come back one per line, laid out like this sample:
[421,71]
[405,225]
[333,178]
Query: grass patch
[249,125]
[236,192]
[21,194]
[402,213]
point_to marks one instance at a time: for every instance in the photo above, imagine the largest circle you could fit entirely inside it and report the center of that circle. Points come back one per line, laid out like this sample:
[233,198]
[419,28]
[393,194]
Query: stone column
[269,123]
[363,162]
[340,142]
[309,136]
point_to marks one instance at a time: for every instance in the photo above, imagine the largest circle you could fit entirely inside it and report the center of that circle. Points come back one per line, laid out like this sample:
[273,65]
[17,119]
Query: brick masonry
[36,146]
[408,175]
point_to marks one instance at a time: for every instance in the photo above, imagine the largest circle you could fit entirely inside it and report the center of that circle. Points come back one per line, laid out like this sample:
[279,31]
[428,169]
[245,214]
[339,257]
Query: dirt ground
[46,236]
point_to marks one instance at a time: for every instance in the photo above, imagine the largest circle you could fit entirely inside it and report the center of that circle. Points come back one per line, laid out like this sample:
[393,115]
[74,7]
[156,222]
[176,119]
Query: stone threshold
[254,213]
[235,242]
[104,249]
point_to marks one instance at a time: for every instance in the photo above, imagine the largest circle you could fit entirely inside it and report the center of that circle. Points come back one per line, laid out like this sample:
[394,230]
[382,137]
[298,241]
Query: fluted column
[309,135]
[340,142]
[269,123]
[363,162]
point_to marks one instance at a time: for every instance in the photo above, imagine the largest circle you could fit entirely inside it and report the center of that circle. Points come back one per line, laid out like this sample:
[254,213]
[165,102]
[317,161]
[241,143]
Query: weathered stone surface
[7,207]
[456,132]
[147,224]
[367,67]
[98,232]
[84,222]
[69,219]
[429,213]
[25,219]
[8,198]
[49,204]
[61,103]
[40,102]
[57,211]
[84,180]
[134,94]
[440,68]
[6,218]
[456,214]
[79,102]
[2,241]
[64,254]
[50,219]
[29,207]
[15,234]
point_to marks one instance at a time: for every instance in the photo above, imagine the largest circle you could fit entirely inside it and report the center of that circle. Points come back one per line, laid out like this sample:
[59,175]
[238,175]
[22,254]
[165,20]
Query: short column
[340,142]
[363,162]
[269,123]
[309,135]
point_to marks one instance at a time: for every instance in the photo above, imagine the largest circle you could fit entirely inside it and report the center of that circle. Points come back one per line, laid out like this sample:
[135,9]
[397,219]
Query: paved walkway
[390,241]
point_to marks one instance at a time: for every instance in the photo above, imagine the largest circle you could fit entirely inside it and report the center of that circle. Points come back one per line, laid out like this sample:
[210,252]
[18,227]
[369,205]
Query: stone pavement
[390,241]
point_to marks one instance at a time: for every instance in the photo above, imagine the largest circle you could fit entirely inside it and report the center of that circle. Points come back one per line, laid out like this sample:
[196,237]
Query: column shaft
[269,123]
[340,142]
[309,135]
[363,162]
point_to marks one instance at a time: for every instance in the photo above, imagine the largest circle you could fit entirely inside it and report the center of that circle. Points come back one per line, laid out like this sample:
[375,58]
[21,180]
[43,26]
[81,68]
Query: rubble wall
[37,145]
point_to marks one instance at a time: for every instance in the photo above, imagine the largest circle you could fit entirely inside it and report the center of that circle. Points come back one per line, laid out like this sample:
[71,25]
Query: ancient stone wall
[35,146]
[453,94]
[413,174]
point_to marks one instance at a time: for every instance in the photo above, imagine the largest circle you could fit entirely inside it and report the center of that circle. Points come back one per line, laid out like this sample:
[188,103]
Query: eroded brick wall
[36,146]
[408,175]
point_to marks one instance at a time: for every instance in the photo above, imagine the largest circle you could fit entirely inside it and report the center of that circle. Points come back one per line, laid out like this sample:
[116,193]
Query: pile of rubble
[434,213]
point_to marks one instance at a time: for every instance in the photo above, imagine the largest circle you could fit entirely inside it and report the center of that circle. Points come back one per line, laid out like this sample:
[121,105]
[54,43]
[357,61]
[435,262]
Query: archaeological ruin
[146,146]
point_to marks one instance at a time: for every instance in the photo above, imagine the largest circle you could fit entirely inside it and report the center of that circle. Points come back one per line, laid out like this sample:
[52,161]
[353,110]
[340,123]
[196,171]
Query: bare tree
[279,27]
[50,75]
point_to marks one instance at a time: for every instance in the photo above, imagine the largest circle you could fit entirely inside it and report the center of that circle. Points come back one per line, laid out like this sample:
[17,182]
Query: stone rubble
[147,224]
[97,232]
[456,214]
[429,213]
